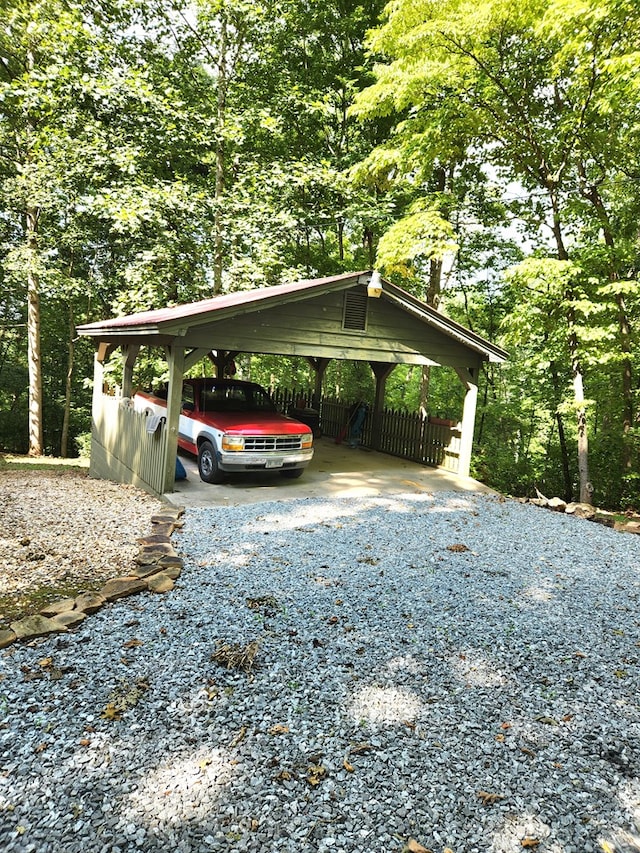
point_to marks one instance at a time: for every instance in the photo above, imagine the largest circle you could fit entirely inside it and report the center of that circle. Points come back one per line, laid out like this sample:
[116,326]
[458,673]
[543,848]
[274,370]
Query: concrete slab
[336,471]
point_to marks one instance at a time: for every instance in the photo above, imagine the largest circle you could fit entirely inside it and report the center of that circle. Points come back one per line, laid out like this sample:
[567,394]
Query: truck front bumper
[240,461]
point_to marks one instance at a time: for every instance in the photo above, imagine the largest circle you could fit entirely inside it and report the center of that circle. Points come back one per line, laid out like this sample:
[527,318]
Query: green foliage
[484,155]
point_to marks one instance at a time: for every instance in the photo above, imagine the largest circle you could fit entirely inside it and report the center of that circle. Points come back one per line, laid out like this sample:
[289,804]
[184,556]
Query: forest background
[484,155]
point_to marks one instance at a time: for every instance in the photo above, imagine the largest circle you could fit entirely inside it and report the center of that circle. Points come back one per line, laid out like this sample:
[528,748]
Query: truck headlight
[306,440]
[233,442]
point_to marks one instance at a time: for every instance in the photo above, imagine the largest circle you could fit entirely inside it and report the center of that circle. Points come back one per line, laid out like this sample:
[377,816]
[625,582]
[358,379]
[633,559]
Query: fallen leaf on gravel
[111,712]
[132,644]
[548,721]
[505,726]
[278,729]
[238,738]
[315,774]
[41,747]
[488,798]
[267,603]
[348,767]
[457,547]
[283,776]
[45,662]
[413,846]
[530,842]
[85,741]
[360,748]
[500,738]
[528,752]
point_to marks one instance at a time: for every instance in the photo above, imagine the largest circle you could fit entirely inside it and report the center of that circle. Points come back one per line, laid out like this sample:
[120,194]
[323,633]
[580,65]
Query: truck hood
[252,423]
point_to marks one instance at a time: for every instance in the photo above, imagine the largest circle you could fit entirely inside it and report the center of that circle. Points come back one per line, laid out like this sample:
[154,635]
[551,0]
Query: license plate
[274,463]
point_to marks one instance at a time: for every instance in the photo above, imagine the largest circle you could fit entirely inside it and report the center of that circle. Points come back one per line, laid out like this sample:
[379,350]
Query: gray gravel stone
[395,679]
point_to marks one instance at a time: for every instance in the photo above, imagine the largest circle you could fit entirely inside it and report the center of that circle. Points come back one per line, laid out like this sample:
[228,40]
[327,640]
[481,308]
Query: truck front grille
[264,443]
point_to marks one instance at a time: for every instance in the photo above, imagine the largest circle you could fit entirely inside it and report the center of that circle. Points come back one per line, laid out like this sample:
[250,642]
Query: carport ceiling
[319,318]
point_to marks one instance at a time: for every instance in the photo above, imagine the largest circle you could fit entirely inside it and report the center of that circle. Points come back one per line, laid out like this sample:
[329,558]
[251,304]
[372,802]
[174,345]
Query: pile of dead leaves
[236,656]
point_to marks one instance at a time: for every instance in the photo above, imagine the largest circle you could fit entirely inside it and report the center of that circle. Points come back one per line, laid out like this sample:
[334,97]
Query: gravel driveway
[443,672]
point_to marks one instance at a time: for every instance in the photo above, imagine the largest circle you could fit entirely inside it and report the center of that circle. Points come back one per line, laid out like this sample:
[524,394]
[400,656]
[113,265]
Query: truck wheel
[208,464]
[292,473]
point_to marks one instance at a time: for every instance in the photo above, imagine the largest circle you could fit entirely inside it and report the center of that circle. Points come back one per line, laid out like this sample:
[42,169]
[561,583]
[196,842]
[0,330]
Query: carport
[354,316]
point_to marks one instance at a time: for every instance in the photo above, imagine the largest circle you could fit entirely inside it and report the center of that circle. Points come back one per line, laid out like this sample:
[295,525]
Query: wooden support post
[129,355]
[221,359]
[382,371]
[467,377]
[175,360]
[102,353]
[319,365]
[98,382]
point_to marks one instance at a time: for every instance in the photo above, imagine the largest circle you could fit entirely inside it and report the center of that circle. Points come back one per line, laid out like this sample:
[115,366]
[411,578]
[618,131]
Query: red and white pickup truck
[234,426]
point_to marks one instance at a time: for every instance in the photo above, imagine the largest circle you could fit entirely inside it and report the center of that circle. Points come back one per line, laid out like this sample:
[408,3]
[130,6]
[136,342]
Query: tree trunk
[33,335]
[592,194]
[562,439]
[585,487]
[218,252]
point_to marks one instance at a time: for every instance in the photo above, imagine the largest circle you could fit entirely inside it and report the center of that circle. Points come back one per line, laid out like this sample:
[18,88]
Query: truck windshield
[235,398]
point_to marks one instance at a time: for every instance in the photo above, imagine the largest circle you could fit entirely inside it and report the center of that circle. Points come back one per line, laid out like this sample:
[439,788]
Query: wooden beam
[194,357]
[104,350]
[175,360]
[467,378]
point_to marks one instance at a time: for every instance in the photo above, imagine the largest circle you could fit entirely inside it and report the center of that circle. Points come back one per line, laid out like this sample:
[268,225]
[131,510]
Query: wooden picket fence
[122,442]
[409,435]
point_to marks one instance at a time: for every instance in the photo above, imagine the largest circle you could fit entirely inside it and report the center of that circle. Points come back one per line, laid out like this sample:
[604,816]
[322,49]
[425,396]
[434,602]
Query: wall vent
[356,302]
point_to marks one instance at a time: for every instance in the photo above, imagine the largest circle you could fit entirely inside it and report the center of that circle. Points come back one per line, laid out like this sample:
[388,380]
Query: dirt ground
[62,532]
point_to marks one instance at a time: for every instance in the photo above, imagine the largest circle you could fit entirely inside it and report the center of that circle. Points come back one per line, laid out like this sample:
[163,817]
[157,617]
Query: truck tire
[208,464]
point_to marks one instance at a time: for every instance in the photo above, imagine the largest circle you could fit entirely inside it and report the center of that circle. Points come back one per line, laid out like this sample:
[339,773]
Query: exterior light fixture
[374,288]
